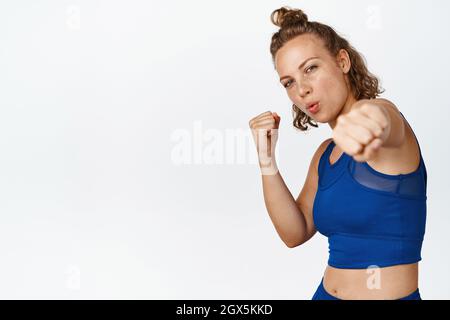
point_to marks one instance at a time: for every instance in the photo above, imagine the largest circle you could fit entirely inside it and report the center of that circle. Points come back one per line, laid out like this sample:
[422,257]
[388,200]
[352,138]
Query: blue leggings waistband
[322,294]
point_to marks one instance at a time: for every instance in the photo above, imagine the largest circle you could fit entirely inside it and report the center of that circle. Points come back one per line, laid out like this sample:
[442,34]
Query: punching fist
[361,132]
[264,129]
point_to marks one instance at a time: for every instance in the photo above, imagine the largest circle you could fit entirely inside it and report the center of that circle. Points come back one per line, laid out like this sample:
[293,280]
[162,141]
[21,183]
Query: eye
[286,84]
[310,68]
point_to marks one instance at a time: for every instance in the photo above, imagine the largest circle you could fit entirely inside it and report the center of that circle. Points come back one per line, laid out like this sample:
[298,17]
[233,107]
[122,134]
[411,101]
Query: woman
[366,186]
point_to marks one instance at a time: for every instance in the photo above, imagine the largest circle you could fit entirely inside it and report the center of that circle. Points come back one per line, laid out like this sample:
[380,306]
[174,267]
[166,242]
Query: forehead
[298,50]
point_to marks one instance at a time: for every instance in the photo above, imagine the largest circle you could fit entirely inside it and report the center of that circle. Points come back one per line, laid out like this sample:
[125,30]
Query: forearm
[283,210]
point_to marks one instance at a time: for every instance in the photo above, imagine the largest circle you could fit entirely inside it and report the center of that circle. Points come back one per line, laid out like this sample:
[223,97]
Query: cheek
[333,88]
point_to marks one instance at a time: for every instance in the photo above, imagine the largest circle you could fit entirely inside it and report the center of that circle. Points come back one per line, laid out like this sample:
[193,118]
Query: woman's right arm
[293,219]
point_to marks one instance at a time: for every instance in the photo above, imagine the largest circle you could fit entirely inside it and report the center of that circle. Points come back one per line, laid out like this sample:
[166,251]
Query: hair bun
[285,16]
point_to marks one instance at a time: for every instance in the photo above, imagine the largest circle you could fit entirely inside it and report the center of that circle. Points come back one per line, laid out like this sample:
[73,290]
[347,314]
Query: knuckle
[356,149]
[382,122]
[367,139]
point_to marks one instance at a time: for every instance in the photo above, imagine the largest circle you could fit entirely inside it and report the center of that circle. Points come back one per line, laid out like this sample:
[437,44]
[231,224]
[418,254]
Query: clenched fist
[264,129]
[361,132]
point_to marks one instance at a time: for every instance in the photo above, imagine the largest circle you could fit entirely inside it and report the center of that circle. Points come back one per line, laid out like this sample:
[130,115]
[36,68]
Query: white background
[93,203]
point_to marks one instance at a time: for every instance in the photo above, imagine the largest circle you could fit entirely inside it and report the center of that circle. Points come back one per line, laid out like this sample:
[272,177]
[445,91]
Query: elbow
[293,244]
[298,242]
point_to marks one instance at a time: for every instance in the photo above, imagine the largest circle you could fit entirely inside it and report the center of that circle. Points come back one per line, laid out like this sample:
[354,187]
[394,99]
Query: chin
[319,118]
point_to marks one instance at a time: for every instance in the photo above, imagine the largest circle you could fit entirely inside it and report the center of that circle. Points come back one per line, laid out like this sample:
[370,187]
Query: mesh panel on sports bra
[411,184]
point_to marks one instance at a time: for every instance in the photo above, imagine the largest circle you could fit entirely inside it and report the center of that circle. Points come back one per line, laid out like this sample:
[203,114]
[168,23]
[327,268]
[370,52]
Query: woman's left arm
[370,125]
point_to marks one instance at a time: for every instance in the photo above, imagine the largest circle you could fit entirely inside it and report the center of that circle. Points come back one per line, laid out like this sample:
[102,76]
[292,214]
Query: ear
[343,61]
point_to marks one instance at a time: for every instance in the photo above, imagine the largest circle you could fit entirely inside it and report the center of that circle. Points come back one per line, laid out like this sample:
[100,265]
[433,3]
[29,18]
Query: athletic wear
[370,218]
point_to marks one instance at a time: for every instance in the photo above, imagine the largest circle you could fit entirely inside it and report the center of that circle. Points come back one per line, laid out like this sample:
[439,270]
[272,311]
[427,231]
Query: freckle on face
[328,86]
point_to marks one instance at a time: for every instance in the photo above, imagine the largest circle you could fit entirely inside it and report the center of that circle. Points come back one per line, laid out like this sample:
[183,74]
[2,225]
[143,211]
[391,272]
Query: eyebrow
[300,66]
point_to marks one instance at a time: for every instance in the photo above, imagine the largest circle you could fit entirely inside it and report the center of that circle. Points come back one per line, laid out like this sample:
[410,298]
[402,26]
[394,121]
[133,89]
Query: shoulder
[319,152]
[403,159]
[386,102]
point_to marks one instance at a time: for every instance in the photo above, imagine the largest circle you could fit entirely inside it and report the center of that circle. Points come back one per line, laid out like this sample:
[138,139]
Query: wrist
[268,167]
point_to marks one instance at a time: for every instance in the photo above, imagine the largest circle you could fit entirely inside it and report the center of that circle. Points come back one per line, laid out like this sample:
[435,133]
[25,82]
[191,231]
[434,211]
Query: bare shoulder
[314,163]
[319,152]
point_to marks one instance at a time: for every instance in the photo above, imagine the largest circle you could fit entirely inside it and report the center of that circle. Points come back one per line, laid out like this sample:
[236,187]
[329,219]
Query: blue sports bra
[370,218]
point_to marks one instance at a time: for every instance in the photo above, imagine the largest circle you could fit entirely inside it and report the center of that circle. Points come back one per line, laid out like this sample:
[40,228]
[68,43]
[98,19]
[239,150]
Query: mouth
[313,107]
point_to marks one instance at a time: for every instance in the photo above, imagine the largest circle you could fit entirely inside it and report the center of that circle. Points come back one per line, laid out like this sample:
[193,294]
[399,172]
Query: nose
[304,90]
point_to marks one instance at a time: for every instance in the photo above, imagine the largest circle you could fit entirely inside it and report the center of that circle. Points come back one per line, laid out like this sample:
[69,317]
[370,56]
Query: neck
[344,110]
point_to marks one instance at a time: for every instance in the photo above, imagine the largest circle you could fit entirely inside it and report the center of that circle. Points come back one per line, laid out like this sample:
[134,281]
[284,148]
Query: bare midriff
[388,283]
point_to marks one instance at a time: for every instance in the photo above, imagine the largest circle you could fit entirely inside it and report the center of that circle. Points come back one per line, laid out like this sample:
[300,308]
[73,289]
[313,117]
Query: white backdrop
[127,170]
